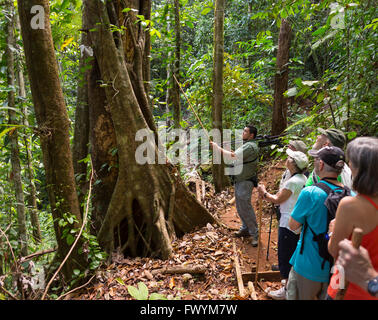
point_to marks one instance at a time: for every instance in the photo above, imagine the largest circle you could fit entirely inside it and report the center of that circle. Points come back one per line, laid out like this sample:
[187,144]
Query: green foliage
[65,18]
[342,94]
[332,82]
[326,87]
[66,224]
[243,96]
[141,293]
[96,256]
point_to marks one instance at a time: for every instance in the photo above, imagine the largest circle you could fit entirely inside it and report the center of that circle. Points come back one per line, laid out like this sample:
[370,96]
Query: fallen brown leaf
[172,283]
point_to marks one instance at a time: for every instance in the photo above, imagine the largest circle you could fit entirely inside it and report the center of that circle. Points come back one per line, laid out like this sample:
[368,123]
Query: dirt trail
[270,178]
[210,247]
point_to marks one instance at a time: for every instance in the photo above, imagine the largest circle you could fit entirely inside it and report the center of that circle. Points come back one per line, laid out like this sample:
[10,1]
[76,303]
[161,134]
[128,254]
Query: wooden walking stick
[356,241]
[191,107]
[258,244]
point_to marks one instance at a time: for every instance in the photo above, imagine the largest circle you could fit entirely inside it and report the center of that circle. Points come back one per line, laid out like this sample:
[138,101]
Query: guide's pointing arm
[230,154]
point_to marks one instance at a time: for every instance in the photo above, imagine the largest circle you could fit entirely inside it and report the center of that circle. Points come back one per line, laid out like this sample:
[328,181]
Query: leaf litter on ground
[209,248]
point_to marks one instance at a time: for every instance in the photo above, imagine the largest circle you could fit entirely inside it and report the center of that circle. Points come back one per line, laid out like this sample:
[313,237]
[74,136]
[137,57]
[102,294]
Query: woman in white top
[295,145]
[286,197]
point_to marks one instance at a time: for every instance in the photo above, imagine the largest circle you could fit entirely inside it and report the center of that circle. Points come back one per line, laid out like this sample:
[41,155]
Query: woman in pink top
[360,211]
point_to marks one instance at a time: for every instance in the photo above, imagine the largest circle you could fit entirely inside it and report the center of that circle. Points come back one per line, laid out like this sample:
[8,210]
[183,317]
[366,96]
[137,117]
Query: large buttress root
[149,203]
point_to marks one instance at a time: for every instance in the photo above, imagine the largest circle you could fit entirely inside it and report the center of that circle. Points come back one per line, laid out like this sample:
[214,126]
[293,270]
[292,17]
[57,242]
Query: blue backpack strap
[305,225]
[323,186]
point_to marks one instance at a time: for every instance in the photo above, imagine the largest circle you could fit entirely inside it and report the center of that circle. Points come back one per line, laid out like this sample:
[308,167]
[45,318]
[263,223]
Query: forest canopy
[74,93]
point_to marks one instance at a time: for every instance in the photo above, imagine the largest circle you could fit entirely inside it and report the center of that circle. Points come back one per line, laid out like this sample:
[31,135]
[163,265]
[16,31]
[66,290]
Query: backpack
[331,202]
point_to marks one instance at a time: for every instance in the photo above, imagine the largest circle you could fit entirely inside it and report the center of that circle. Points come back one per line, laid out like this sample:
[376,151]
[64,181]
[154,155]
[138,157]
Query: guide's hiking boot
[279,294]
[254,242]
[242,233]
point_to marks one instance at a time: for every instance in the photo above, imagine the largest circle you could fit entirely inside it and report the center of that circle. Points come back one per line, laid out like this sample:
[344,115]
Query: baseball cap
[298,145]
[336,136]
[299,157]
[333,156]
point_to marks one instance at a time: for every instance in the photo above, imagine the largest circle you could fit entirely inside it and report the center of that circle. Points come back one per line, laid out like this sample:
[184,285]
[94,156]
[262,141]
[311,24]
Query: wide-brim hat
[336,136]
[299,157]
[298,145]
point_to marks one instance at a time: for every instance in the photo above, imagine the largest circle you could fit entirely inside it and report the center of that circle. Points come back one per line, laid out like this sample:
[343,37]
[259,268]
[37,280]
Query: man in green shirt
[331,137]
[245,164]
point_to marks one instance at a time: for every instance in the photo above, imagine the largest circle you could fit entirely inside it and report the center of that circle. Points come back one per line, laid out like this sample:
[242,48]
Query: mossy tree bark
[279,119]
[220,180]
[13,135]
[80,146]
[94,127]
[149,203]
[32,198]
[173,91]
[103,146]
[53,127]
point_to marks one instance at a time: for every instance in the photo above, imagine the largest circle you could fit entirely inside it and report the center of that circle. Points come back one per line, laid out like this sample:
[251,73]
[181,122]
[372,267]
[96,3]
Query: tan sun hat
[299,157]
[298,145]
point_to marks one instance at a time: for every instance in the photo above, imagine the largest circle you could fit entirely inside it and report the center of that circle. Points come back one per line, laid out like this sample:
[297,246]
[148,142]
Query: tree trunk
[220,180]
[170,68]
[81,133]
[279,119]
[32,199]
[146,12]
[250,32]
[173,91]
[134,41]
[101,135]
[147,200]
[176,68]
[53,127]
[103,147]
[13,135]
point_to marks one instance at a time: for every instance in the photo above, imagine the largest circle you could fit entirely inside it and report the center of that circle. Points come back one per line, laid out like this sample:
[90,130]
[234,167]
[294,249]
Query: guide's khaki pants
[243,195]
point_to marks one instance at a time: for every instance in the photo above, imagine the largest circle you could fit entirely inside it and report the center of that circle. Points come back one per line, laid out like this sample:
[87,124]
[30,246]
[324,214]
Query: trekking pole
[258,244]
[356,241]
[270,231]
